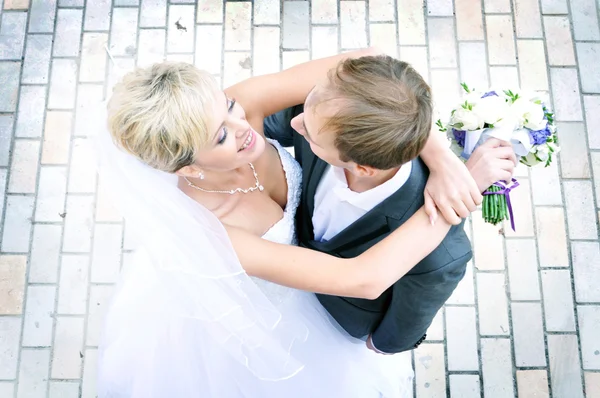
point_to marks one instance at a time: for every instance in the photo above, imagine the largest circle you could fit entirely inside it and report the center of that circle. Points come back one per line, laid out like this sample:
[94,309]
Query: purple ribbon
[505,190]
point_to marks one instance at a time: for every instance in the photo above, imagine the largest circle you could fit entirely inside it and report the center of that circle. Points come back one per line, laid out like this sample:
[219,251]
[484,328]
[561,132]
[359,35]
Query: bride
[192,173]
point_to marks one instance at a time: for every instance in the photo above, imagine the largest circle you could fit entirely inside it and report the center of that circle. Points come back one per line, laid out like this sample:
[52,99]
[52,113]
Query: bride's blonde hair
[160,114]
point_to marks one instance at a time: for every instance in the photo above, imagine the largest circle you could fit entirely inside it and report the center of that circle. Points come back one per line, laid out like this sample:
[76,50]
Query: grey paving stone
[123,36]
[12,35]
[37,59]
[78,224]
[572,144]
[52,191]
[33,373]
[580,210]
[10,333]
[63,84]
[589,324]
[497,368]
[74,278]
[153,13]
[67,37]
[588,55]
[267,12]
[522,269]
[296,25]
[45,253]
[442,45]
[9,85]
[71,3]
[39,316]
[17,224]
[465,386]
[32,106]
[6,133]
[586,257]
[558,301]
[180,38]
[565,368]
[63,389]
[68,343]
[567,105]
[584,17]
[528,334]
[42,14]
[97,15]
[461,335]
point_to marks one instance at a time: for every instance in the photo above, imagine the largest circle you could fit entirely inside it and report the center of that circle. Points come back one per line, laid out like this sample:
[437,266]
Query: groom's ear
[363,171]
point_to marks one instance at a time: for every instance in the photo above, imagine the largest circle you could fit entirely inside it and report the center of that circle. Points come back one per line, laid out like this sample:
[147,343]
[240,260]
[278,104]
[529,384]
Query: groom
[360,133]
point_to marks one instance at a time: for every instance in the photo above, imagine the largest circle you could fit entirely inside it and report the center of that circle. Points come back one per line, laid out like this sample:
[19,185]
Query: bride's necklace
[256,186]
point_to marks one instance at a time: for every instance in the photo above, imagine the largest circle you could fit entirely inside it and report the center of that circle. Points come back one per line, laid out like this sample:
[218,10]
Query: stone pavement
[525,320]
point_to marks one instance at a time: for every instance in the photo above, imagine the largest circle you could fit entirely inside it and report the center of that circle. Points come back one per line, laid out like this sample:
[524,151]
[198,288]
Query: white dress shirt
[337,206]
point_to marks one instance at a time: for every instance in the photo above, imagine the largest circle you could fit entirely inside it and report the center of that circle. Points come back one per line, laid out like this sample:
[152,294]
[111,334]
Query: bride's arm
[365,276]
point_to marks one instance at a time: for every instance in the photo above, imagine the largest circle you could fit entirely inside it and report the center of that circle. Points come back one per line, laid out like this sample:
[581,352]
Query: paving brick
[37,59]
[6,129]
[117,70]
[42,14]
[208,47]
[3,182]
[185,58]
[12,282]
[33,373]
[592,384]
[532,383]
[461,335]
[71,3]
[15,4]
[473,65]
[573,144]
[9,85]
[580,210]
[532,65]
[442,46]
[17,224]
[51,194]
[435,332]
[522,269]
[89,99]
[496,6]
[501,46]
[68,343]
[151,47]
[504,76]
[445,87]
[238,67]
[88,386]
[464,292]
[596,167]
[418,58]
[63,389]
[82,173]
[45,254]
[63,84]
[559,40]
[586,257]
[527,19]
[383,36]
[7,389]
[353,24]
[528,334]
[592,115]
[558,301]
[522,211]
[97,15]
[267,12]
[554,7]
[23,171]
[551,237]
[100,296]
[72,294]
[469,25]
[493,311]
[10,333]
[440,8]
[266,55]
[296,30]
[465,386]
[180,33]
[12,35]
[486,240]
[123,34]
[153,13]
[92,67]
[589,324]
[32,103]
[57,137]
[323,11]
[567,105]
[106,258]
[411,22]
[383,10]
[496,365]
[210,11]
[39,316]
[238,28]
[588,55]
[78,224]
[68,32]
[324,41]
[565,368]
[585,20]
[430,372]
[545,185]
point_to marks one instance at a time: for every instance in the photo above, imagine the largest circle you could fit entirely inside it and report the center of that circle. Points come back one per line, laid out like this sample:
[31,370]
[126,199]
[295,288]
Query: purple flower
[489,94]
[539,137]
[459,136]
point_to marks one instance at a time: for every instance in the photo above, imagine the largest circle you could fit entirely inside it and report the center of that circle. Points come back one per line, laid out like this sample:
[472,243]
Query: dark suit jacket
[399,318]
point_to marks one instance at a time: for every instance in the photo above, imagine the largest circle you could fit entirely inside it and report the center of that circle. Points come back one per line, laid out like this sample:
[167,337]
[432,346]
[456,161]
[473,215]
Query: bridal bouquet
[517,117]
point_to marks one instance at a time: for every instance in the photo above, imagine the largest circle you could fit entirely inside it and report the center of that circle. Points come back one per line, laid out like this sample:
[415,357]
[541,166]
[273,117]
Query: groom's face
[312,125]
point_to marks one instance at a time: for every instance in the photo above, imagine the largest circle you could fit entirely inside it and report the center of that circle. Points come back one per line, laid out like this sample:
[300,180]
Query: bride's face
[234,143]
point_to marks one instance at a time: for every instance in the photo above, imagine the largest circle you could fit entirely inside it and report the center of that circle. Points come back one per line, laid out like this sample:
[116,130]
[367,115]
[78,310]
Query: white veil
[186,312]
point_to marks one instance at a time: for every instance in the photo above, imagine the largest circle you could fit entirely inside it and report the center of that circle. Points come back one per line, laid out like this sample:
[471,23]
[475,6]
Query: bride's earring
[201,175]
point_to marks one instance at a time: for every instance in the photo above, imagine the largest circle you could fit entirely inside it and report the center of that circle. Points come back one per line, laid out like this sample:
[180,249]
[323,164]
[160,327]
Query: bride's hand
[492,161]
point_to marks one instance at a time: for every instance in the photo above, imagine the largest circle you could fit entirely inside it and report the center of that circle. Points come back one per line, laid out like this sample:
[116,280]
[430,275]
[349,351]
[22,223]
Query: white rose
[468,119]
[543,152]
[491,109]
[529,114]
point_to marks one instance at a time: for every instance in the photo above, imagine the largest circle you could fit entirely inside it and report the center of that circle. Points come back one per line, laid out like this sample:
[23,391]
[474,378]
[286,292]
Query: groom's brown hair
[385,114]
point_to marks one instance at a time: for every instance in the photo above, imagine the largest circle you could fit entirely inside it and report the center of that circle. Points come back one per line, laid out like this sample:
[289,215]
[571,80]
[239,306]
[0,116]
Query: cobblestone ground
[525,320]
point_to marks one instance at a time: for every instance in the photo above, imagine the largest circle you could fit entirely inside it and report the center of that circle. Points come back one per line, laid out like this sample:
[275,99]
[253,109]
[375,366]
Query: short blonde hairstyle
[160,114]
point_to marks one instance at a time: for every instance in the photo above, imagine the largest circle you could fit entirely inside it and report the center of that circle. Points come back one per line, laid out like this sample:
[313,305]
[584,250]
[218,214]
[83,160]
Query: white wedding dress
[177,357]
